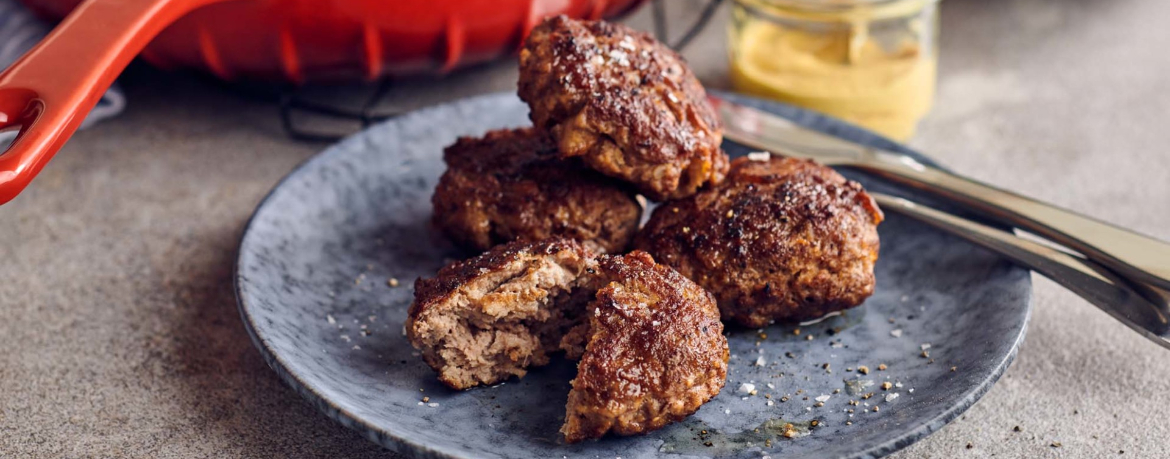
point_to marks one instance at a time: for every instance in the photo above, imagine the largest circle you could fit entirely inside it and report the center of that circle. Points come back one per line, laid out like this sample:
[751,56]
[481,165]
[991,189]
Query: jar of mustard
[870,62]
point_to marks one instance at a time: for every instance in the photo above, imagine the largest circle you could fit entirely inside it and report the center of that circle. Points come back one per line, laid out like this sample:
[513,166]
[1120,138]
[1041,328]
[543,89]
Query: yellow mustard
[869,62]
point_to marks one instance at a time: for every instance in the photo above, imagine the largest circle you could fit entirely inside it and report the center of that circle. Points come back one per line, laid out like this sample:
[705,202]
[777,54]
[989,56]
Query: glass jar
[870,62]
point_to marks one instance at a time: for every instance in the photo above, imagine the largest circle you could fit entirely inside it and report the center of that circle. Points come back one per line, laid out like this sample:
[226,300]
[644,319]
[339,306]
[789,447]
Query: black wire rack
[294,105]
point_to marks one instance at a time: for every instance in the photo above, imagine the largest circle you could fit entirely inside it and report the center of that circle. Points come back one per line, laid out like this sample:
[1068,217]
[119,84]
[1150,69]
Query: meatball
[655,351]
[510,185]
[625,103]
[483,320]
[780,239]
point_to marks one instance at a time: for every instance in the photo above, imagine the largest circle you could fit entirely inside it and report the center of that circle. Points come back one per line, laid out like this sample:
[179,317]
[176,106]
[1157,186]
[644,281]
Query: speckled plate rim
[400,443]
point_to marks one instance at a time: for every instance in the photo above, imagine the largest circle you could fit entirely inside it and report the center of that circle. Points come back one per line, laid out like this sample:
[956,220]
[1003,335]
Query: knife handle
[1126,301]
[1136,256]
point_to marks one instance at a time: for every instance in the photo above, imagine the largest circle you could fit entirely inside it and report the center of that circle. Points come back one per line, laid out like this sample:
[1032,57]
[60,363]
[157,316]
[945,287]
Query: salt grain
[759,156]
[746,388]
[896,333]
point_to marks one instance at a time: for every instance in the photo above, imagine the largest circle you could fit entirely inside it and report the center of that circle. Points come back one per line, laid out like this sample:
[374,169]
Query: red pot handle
[49,90]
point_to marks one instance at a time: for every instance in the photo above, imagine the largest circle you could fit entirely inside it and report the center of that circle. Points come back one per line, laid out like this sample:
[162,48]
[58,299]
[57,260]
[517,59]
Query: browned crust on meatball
[625,103]
[655,351]
[509,185]
[483,320]
[782,239]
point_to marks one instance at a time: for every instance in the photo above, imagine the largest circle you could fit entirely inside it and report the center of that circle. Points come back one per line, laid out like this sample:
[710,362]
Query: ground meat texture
[655,351]
[486,319]
[625,103]
[509,185]
[781,239]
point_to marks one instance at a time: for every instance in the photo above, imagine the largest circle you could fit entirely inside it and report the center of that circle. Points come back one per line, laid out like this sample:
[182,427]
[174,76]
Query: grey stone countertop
[119,328]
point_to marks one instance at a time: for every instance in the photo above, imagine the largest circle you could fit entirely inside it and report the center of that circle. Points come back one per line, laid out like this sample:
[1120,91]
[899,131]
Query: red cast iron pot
[49,90]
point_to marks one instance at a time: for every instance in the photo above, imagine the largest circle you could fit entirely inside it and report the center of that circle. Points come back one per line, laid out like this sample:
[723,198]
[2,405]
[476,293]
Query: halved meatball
[654,351]
[486,319]
[509,185]
[780,239]
[650,343]
[625,103]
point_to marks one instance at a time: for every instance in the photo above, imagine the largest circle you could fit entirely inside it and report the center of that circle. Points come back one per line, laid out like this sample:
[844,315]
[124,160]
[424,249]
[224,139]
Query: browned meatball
[510,185]
[483,320]
[625,103]
[655,351]
[779,239]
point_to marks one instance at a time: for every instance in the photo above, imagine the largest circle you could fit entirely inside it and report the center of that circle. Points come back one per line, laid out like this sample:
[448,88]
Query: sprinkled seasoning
[393,281]
[886,385]
[882,367]
[863,369]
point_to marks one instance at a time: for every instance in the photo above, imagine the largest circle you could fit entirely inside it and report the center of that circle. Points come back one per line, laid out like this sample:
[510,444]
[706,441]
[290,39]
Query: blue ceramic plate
[314,287]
